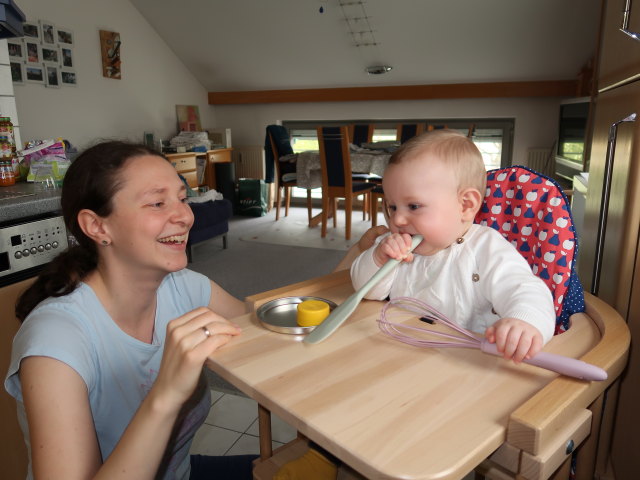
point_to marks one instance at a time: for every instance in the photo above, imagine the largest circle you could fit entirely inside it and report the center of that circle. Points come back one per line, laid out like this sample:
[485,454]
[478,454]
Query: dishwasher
[26,246]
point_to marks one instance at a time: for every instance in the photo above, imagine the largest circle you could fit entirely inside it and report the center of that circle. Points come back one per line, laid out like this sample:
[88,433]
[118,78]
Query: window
[493,137]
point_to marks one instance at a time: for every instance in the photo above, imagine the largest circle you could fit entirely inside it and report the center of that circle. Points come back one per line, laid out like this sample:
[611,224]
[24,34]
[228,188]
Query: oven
[26,246]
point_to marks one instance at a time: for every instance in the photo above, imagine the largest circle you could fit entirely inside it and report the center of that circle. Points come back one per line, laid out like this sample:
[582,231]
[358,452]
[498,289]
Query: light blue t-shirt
[118,369]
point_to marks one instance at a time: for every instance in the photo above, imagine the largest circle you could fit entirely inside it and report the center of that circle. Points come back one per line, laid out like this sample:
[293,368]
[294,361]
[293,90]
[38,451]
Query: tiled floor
[232,427]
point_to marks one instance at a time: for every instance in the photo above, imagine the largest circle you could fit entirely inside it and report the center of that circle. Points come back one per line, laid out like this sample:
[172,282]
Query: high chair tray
[390,410]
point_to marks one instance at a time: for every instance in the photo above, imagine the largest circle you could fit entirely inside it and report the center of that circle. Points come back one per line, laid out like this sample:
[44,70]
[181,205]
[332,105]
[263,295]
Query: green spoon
[346,308]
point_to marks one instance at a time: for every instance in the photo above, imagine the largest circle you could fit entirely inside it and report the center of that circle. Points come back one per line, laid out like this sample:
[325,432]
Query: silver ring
[206,331]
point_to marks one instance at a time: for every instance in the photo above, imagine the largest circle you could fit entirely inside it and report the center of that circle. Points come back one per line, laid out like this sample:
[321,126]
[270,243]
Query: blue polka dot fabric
[532,212]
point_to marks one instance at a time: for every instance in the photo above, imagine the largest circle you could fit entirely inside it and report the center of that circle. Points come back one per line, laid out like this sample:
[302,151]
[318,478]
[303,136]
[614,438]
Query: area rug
[293,230]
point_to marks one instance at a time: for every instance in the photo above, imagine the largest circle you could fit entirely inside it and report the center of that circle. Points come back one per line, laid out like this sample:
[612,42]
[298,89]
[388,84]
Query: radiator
[249,161]
[540,160]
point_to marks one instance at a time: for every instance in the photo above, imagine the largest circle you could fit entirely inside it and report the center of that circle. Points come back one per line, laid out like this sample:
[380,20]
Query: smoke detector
[377,69]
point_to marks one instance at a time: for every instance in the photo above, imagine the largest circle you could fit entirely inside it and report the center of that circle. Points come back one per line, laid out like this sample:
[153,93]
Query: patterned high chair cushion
[532,212]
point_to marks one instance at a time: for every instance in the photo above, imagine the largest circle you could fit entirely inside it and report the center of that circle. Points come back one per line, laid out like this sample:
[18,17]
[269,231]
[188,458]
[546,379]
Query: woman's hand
[515,339]
[190,339]
[396,246]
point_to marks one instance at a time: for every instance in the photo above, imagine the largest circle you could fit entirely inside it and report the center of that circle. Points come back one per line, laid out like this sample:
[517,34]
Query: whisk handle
[556,363]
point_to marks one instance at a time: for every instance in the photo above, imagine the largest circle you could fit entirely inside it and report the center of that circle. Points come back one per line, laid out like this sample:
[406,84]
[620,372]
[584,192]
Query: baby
[434,187]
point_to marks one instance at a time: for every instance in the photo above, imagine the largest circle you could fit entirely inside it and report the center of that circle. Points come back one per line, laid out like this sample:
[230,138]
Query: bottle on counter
[7,153]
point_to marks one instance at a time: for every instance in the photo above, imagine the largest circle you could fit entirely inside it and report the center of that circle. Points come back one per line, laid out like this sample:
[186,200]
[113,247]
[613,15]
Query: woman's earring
[105,242]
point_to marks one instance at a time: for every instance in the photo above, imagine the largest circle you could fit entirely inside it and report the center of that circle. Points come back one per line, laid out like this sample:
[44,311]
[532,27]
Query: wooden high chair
[534,440]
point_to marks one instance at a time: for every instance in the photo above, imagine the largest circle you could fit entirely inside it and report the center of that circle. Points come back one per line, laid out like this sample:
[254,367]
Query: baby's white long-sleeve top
[474,283]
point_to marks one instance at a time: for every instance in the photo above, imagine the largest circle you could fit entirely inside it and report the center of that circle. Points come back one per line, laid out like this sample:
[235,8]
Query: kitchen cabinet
[615,148]
[619,60]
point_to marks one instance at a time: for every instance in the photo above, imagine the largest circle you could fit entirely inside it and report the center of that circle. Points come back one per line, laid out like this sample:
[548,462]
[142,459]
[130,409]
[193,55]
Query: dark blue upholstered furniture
[211,219]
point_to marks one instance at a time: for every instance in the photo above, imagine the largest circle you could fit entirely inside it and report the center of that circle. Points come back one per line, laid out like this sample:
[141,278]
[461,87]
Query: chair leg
[264,432]
[335,212]
[287,200]
[278,199]
[325,214]
[224,240]
[348,209]
[373,210]
[189,254]
[309,212]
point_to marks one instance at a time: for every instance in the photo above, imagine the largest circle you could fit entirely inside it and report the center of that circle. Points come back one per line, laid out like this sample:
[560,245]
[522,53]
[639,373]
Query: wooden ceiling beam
[559,88]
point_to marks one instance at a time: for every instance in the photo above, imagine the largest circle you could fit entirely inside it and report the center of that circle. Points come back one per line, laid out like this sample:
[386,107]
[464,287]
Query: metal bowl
[280,315]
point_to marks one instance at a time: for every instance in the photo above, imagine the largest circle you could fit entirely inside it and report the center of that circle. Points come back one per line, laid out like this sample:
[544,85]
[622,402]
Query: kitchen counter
[25,200]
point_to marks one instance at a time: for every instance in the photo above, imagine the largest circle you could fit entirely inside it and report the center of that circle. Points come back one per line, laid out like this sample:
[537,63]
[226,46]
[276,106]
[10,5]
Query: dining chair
[376,194]
[360,133]
[335,162]
[285,172]
[406,131]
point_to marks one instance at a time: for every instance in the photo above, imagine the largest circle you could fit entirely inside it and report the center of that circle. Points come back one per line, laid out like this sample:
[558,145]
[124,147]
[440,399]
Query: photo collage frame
[45,55]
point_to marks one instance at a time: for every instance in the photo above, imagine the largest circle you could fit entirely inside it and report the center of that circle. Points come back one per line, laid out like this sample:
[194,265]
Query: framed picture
[31,31]
[48,31]
[110,47]
[16,49]
[17,72]
[50,55]
[33,51]
[34,74]
[68,77]
[66,55]
[65,36]
[52,76]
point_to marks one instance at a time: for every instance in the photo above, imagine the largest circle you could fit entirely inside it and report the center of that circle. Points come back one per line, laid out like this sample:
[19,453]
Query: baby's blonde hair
[454,150]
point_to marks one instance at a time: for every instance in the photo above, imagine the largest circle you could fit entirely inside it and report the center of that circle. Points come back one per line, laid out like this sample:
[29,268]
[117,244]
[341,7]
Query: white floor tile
[246,445]
[233,412]
[215,396]
[210,440]
[281,431]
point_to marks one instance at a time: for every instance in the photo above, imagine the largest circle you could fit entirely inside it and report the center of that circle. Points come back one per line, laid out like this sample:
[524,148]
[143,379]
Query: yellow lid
[312,312]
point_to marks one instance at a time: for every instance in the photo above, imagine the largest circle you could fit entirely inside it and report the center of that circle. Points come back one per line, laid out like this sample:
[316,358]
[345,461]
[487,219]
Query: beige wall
[153,81]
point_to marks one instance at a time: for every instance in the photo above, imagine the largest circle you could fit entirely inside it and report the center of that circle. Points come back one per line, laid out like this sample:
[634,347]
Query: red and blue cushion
[532,212]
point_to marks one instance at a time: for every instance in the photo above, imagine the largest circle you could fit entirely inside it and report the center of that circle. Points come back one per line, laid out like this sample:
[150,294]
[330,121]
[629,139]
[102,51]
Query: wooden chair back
[406,131]
[360,133]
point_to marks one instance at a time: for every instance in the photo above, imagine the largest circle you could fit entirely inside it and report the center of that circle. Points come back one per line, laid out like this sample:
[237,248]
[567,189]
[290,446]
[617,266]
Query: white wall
[153,80]
[536,120]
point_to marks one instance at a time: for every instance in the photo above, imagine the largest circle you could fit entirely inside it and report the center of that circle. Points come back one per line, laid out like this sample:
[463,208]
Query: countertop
[24,200]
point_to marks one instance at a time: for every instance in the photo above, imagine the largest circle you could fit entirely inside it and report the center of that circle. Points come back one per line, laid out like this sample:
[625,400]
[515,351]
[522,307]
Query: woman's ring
[206,331]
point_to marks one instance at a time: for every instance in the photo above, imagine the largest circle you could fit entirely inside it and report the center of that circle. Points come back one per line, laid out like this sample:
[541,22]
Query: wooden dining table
[387,409]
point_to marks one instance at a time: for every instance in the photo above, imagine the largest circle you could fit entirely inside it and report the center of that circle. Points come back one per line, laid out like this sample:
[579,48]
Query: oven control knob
[33,250]
[18,254]
[47,246]
[41,248]
[54,244]
[25,252]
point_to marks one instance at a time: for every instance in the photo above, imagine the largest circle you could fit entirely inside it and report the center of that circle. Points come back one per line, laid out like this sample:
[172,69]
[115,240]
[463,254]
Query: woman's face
[150,222]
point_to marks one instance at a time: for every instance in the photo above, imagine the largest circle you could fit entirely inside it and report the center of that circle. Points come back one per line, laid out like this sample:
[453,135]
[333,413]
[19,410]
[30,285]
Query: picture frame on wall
[66,56]
[65,36]
[49,34]
[17,72]
[32,31]
[50,55]
[34,74]
[16,49]
[33,51]
[68,77]
[52,76]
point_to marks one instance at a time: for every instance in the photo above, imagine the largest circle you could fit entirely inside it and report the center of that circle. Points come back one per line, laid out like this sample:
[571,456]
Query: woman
[107,366]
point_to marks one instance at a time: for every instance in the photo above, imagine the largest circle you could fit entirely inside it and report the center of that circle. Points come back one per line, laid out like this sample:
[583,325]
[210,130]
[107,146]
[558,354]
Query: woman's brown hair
[90,183]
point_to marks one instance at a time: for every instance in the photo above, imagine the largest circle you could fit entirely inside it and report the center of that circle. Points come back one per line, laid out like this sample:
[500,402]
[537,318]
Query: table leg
[264,431]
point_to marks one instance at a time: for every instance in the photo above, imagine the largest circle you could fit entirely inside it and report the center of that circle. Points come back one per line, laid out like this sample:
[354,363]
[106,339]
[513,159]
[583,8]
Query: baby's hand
[396,245]
[515,339]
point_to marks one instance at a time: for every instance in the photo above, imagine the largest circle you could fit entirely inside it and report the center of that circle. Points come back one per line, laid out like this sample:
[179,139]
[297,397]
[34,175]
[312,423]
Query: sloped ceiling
[241,45]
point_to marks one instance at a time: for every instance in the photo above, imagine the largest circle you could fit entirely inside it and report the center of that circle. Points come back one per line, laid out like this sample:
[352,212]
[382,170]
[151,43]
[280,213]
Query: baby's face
[422,197]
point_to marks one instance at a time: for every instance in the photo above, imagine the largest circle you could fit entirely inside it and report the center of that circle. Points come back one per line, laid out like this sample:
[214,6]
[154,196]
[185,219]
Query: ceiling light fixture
[377,69]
